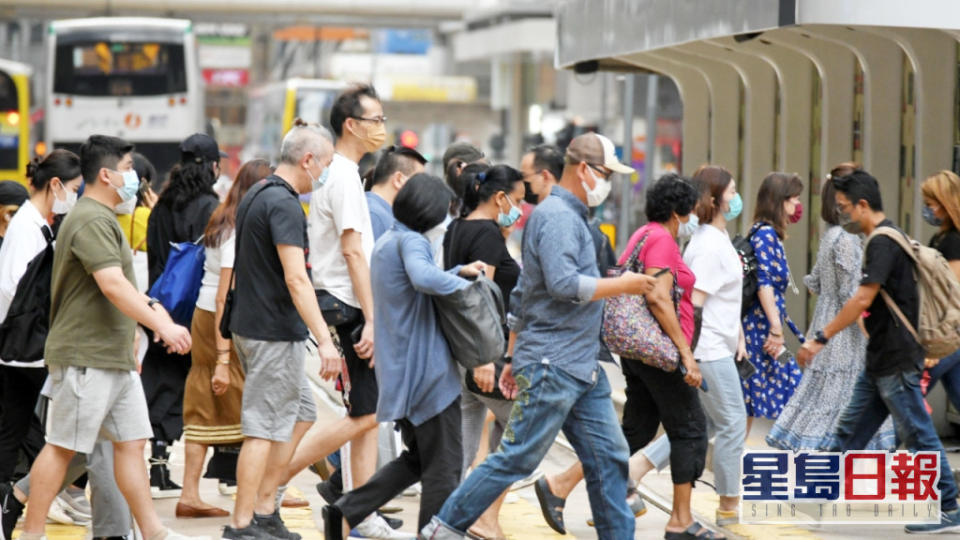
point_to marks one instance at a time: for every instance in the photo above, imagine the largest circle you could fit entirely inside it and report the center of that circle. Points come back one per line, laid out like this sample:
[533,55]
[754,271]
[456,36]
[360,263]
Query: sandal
[474,535]
[691,533]
[550,505]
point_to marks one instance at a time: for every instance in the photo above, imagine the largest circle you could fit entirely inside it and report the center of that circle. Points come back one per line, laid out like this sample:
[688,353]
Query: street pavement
[520,518]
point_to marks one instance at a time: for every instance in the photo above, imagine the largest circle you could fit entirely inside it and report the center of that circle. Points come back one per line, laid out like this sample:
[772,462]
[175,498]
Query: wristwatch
[820,338]
[152,302]
[507,359]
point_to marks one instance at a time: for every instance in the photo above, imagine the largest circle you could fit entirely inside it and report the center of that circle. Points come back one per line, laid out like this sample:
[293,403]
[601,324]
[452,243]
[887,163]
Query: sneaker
[636,504]
[60,513]
[250,532]
[10,510]
[375,527]
[274,526]
[75,505]
[329,492]
[949,522]
[227,487]
[394,523]
[161,487]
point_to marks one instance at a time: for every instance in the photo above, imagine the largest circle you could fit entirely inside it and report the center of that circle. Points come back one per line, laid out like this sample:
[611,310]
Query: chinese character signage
[853,487]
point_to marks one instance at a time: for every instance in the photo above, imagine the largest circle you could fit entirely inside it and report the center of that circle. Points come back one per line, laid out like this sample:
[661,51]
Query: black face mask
[528,195]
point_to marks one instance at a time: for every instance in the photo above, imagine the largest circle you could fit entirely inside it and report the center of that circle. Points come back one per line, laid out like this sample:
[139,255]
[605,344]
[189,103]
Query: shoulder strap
[239,222]
[904,244]
[47,233]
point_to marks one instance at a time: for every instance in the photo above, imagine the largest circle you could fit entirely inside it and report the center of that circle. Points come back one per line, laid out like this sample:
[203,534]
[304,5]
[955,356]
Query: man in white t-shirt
[341,242]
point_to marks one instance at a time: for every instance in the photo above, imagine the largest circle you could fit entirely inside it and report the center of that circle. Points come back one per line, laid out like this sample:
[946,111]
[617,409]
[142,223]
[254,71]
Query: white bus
[130,77]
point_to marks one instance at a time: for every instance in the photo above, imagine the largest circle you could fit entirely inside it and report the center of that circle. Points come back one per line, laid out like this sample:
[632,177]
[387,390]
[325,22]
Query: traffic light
[409,138]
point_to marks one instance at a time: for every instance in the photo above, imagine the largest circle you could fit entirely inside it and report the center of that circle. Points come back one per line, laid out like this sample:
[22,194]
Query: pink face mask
[797,214]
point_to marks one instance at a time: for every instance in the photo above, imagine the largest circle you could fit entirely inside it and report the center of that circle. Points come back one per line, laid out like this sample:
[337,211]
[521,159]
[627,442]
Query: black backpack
[748,261]
[24,331]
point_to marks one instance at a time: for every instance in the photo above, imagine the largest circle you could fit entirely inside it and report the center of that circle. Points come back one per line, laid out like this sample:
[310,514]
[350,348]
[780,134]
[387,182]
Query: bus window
[9,123]
[314,104]
[119,69]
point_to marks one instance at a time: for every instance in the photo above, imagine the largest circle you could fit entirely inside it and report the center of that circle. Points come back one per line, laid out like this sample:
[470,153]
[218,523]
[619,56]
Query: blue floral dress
[768,390]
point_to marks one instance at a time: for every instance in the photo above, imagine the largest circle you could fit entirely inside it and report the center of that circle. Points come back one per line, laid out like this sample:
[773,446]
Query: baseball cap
[595,149]
[464,151]
[12,193]
[200,147]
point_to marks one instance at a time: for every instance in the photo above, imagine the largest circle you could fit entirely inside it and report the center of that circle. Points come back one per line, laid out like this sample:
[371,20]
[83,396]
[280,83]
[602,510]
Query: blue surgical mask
[511,217]
[131,184]
[930,218]
[687,229]
[317,183]
[736,206]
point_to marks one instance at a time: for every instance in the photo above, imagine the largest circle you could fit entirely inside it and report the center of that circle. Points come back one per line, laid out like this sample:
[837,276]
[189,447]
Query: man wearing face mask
[180,215]
[554,366]
[890,382]
[341,243]
[90,347]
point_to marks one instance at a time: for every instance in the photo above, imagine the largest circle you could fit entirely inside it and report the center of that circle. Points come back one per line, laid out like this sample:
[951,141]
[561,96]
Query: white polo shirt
[24,241]
[339,205]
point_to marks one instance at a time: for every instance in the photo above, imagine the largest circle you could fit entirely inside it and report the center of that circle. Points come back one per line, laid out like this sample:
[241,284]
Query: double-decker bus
[130,77]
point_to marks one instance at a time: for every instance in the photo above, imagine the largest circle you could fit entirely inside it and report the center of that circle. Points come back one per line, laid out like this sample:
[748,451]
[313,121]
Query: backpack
[23,333]
[178,286]
[748,261]
[939,292]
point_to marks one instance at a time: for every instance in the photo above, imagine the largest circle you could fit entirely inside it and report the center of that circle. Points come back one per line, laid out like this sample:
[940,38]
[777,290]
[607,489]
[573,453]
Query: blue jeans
[898,395]
[948,371]
[550,400]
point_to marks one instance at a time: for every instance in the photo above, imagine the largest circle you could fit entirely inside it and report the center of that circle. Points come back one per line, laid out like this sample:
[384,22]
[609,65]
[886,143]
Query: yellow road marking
[705,504]
[522,520]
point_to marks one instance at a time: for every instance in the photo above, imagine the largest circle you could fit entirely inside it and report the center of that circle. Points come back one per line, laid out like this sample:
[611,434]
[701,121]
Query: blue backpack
[178,286]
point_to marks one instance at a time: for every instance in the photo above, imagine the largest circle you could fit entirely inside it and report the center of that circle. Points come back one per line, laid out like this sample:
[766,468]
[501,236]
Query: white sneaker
[76,504]
[227,489]
[60,513]
[375,527]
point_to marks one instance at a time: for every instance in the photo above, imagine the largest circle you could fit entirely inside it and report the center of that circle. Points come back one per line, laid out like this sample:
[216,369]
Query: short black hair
[347,105]
[422,202]
[394,159]
[671,193]
[548,157]
[482,181]
[860,185]
[101,151]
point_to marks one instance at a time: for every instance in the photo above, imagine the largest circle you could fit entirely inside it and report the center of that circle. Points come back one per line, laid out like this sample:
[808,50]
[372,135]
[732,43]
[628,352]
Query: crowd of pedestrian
[356,280]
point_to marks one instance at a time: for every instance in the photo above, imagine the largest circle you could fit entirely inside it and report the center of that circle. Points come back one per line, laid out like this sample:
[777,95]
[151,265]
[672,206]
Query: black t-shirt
[891,347]
[469,240]
[269,215]
[947,243]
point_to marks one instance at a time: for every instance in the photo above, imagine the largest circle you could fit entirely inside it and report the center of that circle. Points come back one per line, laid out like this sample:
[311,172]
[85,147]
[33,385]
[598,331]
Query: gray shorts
[87,403]
[276,394]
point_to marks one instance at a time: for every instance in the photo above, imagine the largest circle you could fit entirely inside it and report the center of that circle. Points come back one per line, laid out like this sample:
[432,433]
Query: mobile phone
[683,372]
[356,333]
[745,368]
[784,355]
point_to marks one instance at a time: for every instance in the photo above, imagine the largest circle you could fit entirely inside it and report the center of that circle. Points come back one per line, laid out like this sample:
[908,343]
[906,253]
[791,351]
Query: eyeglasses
[376,119]
[603,171]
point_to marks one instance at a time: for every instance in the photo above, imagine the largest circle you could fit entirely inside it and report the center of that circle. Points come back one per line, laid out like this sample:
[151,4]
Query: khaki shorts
[87,403]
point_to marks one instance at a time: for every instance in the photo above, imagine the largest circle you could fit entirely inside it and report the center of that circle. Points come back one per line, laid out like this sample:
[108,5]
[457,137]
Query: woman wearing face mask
[767,390]
[941,199]
[491,202]
[180,215]
[134,222]
[809,419]
[53,185]
[655,396]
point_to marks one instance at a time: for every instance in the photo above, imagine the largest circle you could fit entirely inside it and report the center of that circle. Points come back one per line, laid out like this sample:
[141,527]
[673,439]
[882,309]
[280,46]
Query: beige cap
[596,149]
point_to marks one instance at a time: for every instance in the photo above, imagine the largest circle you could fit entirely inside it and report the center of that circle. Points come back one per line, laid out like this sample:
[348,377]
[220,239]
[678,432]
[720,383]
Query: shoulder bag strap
[904,244]
[239,222]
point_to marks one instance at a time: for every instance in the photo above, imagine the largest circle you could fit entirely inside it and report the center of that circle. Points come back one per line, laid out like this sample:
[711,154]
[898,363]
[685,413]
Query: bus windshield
[112,68]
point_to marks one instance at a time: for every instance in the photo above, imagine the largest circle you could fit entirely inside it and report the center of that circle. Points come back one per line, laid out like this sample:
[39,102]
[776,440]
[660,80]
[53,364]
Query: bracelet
[776,334]
[224,351]
[223,362]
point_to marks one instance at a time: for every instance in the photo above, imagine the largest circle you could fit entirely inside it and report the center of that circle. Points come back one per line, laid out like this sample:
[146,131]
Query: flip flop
[691,534]
[550,505]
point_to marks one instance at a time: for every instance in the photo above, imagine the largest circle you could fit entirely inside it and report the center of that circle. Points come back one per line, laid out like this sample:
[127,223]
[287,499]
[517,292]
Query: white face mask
[62,206]
[600,191]
[126,207]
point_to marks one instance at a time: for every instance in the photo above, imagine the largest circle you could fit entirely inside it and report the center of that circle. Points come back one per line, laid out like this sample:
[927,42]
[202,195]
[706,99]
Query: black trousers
[19,426]
[434,457]
[654,397]
[164,376]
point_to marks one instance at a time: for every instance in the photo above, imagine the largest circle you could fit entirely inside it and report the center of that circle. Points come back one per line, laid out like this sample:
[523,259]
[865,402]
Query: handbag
[178,286]
[631,330]
[471,320]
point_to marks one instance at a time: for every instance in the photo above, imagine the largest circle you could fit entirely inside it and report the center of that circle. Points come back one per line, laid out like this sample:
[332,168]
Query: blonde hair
[944,187]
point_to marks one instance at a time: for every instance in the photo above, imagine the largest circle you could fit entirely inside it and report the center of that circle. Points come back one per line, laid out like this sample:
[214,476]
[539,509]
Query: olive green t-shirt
[86,329]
